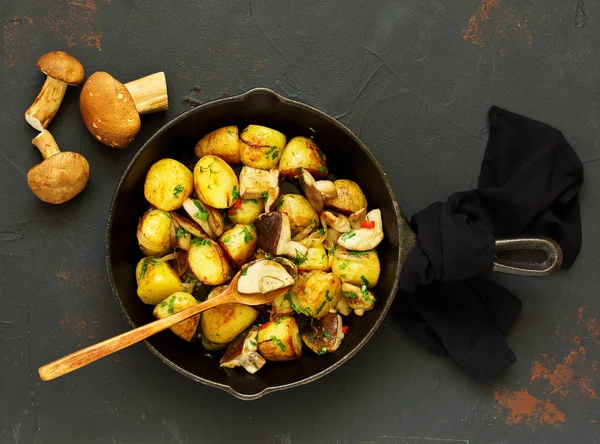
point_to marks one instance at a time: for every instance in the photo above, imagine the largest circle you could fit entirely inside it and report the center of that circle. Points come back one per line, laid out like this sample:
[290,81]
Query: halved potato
[315,293]
[208,262]
[356,267]
[240,243]
[247,212]
[155,280]
[300,213]
[261,147]
[222,142]
[168,183]
[316,259]
[154,233]
[175,303]
[215,182]
[301,152]
[222,324]
[282,306]
[280,340]
[350,197]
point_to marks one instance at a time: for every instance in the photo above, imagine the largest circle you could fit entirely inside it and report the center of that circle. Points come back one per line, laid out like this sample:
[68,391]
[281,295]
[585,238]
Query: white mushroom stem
[45,142]
[357,218]
[149,93]
[264,276]
[46,104]
[337,221]
[365,238]
[327,188]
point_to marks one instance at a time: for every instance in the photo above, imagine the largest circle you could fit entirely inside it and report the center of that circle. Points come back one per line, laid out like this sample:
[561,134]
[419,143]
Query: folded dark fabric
[528,184]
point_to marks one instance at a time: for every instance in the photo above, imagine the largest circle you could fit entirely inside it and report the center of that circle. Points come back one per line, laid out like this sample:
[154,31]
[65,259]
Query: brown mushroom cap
[59,178]
[108,110]
[324,335]
[61,66]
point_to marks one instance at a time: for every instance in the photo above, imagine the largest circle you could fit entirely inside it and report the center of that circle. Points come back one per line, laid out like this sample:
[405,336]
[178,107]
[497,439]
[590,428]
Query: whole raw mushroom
[61,70]
[111,110]
[61,176]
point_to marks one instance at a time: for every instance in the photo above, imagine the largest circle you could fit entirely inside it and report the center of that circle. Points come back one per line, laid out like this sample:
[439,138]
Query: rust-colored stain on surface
[522,407]
[12,31]
[473,31]
[591,325]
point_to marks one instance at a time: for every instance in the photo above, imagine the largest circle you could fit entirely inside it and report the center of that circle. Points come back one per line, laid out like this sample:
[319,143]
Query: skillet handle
[551,265]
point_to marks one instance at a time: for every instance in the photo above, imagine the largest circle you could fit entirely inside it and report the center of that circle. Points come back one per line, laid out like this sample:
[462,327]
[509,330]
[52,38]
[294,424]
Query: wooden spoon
[94,352]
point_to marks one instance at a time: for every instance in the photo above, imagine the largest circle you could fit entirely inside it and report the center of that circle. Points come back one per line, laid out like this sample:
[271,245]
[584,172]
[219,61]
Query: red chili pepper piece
[237,203]
[263,326]
[367,224]
[232,211]
[345,329]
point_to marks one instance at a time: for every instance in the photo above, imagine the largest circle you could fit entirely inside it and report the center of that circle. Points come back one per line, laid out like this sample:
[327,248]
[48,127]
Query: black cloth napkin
[528,184]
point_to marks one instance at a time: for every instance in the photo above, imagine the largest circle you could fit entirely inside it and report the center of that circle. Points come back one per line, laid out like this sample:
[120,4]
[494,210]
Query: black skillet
[347,157]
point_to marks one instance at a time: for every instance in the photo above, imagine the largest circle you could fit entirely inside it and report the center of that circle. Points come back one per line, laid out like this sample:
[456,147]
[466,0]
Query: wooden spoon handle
[94,352]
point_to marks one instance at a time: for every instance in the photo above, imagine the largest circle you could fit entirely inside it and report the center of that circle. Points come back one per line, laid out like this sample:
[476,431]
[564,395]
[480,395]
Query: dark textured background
[414,79]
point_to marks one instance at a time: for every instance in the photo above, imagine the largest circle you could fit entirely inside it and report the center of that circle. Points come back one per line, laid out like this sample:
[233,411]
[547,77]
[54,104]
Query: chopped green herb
[277,341]
[268,256]
[349,294]
[300,310]
[364,280]
[163,304]
[230,132]
[348,235]
[191,279]
[363,288]
[274,155]
[326,335]
[218,334]
[287,296]
[311,129]
[272,152]
[322,351]
[278,321]
[254,201]
[247,236]
[201,241]
[235,195]
[148,261]
[311,335]
[344,265]
[321,307]
[171,302]
[252,343]
[320,154]
[343,276]
[177,191]
[321,231]
[322,169]
[329,299]
[358,253]
[208,355]
[167,214]
[209,168]
[227,239]
[279,203]
[202,213]
[245,271]
[182,232]
[300,258]
[265,195]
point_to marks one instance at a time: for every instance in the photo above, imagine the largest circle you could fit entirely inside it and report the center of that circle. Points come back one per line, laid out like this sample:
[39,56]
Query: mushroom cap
[108,110]
[59,178]
[61,66]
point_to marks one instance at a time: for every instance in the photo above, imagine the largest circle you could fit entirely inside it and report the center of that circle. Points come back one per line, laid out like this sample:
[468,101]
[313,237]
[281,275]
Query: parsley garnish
[202,213]
[278,321]
[252,343]
[201,241]
[209,168]
[171,302]
[300,258]
[245,271]
[363,288]
[322,169]
[235,195]
[348,235]
[364,280]
[358,253]
[265,195]
[321,231]
[163,304]
[272,152]
[329,299]
[326,335]
[268,256]
[182,232]
[300,310]
[208,355]
[349,294]
[177,190]
[311,129]
[321,307]
[344,265]
[277,341]
[247,236]
[227,239]
[148,261]
[167,214]
[230,132]
[322,351]
[191,279]
[311,335]
[254,201]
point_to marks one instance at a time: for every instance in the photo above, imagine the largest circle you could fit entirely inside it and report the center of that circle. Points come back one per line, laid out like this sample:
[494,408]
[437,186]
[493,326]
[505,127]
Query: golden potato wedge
[175,303]
[215,182]
[300,212]
[279,340]
[247,211]
[349,199]
[222,143]
[356,267]
[240,243]
[316,259]
[168,183]
[261,147]
[154,233]
[156,280]
[208,262]
[282,306]
[315,293]
[301,152]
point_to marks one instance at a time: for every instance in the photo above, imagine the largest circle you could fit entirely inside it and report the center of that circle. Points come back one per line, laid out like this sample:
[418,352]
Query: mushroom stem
[149,93]
[46,144]
[46,105]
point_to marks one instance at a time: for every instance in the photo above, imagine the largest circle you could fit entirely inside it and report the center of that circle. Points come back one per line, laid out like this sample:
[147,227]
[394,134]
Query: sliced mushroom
[336,220]
[324,335]
[316,192]
[201,214]
[343,307]
[264,276]
[61,70]
[243,352]
[254,183]
[271,197]
[185,229]
[275,236]
[358,299]
[327,189]
[364,239]
[357,218]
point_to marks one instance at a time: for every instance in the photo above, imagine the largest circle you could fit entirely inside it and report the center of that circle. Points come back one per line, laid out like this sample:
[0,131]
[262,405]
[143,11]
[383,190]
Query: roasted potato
[261,147]
[222,324]
[349,199]
[315,293]
[208,262]
[282,306]
[222,143]
[154,233]
[240,243]
[315,259]
[155,280]
[356,267]
[186,329]
[358,299]
[301,152]
[168,184]
[215,182]
[279,340]
[300,213]
[247,211]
